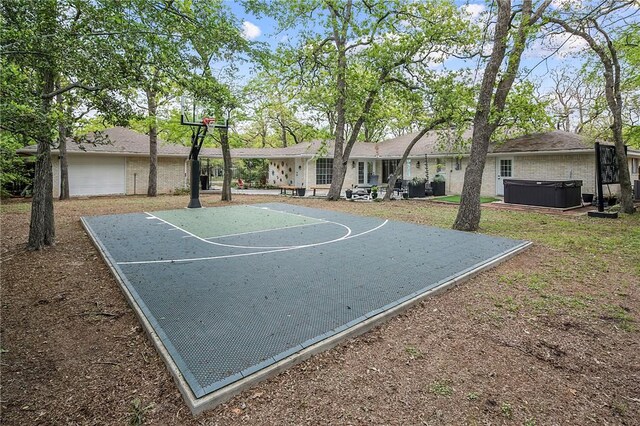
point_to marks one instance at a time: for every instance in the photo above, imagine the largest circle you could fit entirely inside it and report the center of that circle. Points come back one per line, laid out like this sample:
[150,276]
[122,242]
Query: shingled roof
[123,141]
[120,141]
[548,141]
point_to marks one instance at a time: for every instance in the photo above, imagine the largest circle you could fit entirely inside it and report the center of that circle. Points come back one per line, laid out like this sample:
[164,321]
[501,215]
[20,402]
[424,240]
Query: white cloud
[250,31]
[474,10]
[559,45]
[567,4]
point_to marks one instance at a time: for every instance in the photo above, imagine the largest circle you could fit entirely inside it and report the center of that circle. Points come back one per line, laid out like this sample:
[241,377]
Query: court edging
[217,397]
[178,377]
[209,401]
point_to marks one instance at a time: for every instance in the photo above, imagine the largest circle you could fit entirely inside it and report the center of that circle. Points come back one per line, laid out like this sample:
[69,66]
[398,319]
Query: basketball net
[210,122]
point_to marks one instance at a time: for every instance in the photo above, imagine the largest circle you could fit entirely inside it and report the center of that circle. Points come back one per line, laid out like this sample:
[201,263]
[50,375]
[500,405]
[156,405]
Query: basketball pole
[197,138]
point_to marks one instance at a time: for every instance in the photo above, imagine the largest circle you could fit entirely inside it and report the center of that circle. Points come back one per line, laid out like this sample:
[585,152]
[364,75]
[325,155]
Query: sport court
[231,295]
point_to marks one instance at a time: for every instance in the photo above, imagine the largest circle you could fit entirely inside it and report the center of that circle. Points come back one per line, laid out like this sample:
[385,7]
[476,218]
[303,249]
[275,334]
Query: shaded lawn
[456,199]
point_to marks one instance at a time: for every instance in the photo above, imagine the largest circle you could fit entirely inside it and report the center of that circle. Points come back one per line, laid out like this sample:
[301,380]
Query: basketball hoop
[190,116]
[210,122]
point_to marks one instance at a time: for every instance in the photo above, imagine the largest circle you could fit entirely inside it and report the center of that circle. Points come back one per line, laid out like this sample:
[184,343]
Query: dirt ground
[549,337]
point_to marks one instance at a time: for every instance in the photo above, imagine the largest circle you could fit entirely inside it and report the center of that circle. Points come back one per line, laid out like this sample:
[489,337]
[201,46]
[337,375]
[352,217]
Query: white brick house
[122,166]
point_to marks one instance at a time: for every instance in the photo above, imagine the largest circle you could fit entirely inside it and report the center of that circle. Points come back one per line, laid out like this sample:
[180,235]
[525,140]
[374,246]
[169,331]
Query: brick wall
[171,175]
[547,167]
[557,167]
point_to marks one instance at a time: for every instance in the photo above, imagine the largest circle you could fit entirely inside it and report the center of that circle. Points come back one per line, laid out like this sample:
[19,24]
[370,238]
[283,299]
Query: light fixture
[418,165]
[353,164]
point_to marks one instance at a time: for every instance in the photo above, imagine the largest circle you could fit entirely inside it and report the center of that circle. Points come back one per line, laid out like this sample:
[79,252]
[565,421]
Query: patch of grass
[506,410]
[441,388]
[620,316]
[456,199]
[472,396]
[530,422]
[620,408]
[511,279]
[137,412]
[537,283]
[553,302]
[495,317]
[15,208]
[414,352]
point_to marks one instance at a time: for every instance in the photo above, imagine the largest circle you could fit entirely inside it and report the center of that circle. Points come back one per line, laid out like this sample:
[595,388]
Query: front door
[504,170]
[365,170]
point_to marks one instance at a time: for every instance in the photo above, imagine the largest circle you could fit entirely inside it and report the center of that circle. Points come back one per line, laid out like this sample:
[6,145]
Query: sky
[538,57]
[264,30]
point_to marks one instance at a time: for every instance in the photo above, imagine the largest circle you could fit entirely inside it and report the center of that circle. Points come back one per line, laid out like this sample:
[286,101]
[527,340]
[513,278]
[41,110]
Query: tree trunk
[64,162]
[339,162]
[42,227]
[626,191]
[152,107]
[612,75]
[226,157]
[468,218]
[283,131]
[405,155]
[492,104]
[614,100]
[62,148]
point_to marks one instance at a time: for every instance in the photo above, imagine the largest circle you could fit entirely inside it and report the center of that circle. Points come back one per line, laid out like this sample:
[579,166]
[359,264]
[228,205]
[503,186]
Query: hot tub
[545,193]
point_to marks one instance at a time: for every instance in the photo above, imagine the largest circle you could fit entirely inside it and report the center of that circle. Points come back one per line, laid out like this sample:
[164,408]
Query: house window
[324,171]
[389,167]
[634,165]
[505,168]
[361,172]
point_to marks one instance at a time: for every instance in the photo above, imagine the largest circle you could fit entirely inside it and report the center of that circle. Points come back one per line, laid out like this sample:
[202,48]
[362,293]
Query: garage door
[96,175]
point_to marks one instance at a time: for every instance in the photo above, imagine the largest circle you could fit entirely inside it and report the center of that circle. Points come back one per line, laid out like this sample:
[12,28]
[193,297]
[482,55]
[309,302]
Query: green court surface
[232,220]
[232,295]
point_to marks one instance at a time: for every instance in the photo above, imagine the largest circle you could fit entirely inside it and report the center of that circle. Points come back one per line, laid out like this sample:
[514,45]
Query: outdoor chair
[399,186]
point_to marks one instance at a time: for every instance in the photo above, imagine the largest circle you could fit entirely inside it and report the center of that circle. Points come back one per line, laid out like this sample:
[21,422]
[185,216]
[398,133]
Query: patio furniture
[361,192]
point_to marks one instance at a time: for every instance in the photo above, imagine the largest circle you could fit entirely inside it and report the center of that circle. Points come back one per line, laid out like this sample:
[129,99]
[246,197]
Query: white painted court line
[228,256]
[267,230]
[192,235]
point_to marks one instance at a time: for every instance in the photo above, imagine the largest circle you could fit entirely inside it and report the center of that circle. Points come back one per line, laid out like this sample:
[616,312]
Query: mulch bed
[73,352]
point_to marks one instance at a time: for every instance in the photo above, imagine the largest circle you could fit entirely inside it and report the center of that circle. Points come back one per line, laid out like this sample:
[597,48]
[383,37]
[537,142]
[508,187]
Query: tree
[12,165]
[434,102]
[45,42]
[593,26]
[349,50]
[577,96]
[211,34]
[155,43]
[492,99]
[270,110]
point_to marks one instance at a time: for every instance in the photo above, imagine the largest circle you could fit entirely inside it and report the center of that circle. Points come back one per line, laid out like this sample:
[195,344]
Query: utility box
[544,193]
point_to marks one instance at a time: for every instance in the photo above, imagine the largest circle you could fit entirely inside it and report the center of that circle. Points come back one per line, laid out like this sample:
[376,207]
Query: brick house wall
[557,167]
[172,174]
